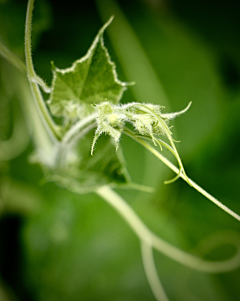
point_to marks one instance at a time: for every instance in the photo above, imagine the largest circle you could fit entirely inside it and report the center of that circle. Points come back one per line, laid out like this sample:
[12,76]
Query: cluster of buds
[147,120]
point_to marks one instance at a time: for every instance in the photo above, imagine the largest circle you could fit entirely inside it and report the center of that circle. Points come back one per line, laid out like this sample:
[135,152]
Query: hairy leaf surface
[90,80]
[75,90]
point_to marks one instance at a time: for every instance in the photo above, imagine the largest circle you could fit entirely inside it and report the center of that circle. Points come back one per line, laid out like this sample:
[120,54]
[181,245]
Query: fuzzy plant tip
[147,120]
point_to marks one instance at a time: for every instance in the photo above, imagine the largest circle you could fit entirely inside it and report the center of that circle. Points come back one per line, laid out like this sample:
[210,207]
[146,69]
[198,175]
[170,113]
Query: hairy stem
[182,175]
[34,80]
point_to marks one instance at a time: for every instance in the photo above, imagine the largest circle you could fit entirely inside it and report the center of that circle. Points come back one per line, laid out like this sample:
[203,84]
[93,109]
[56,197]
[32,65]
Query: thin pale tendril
[176,170]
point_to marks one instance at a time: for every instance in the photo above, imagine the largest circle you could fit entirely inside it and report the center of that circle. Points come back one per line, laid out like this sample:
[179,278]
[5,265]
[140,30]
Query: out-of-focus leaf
[85,173]
[18,197]
[82,250]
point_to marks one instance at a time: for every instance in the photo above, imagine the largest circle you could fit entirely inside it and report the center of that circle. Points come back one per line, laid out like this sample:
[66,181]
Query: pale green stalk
[183,176]
[151,272]
[148,237]
[42,141]
[78,127]
[34,80]
[16,144]
[12,58]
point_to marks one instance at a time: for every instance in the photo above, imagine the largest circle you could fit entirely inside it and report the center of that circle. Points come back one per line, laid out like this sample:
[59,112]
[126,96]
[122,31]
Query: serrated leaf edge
[99,37]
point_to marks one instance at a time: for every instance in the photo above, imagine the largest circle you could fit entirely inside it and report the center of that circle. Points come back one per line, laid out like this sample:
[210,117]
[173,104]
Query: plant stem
[67,142]
[34,80]
[17,143]
[151,239]
[77,128]
[169,136]
[151,272]
[183,176]
[12,58]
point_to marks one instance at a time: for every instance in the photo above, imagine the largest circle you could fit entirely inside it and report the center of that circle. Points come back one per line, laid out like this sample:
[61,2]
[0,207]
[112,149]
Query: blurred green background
[56,245]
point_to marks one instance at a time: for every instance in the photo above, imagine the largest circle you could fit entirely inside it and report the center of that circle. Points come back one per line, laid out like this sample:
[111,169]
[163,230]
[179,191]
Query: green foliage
[80,172]
[74,92]
[91,80]
[66,237]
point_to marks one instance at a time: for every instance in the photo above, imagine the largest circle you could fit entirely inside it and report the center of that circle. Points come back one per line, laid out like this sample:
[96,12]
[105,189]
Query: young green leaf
[90,80]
